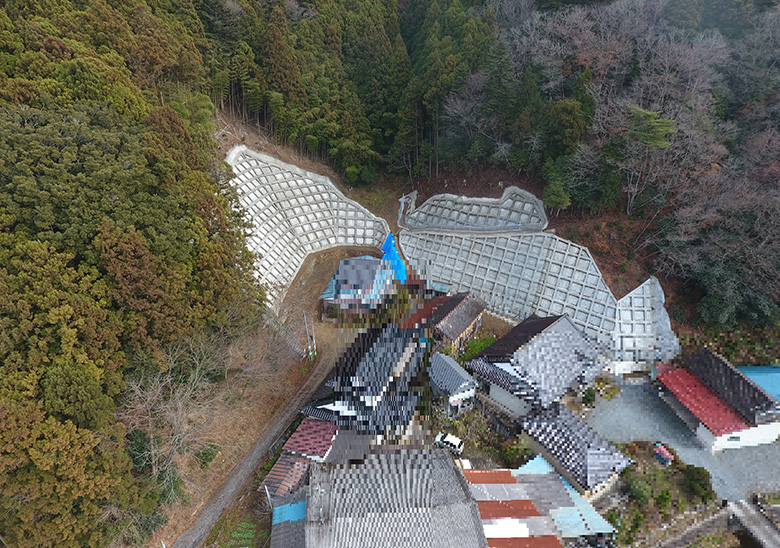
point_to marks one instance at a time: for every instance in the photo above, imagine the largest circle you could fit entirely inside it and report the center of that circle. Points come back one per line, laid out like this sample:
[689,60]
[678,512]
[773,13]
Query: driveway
[637,413]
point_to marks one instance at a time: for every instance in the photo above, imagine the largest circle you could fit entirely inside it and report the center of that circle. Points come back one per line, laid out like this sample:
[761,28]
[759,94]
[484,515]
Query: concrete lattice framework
[295,213]
[645,332]
[516,210]
[519,274]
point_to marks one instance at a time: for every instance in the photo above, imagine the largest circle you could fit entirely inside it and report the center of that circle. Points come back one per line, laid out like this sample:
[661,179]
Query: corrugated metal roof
[465,311]
[490,509]
[547,541]
[488,476]
[287,475]
[711,410]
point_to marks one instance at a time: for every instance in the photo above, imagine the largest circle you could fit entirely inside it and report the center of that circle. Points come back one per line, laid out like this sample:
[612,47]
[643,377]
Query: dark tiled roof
[518,336]
[312,438]
[584,454]
[458,319]
[734,387]
[717,415]
[287,475]
[450,303]
[549,362]
[448,377]
[411,499]
[515,385]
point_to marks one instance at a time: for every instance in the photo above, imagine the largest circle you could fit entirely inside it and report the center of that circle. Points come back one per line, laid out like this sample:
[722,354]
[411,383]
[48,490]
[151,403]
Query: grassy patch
[607,387]
[475,346]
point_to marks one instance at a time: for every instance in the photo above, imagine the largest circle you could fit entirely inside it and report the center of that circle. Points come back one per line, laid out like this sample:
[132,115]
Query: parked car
[453,443]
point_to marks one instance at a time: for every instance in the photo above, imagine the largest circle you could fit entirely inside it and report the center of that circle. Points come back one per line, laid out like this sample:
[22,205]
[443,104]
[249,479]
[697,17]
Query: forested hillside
[117,235]
[116,240]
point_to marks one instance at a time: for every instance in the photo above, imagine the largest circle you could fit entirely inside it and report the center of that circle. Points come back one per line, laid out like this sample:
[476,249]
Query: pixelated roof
[313,438]
[374,379]
[706,405]
[587,457]
[412,499]
[448,377]
[735,388]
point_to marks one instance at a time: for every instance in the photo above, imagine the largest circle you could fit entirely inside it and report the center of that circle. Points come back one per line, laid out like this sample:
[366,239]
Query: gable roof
[748,399]
[548,362]
[587,457]
[404,499]
[287,475]
[312,438]
[457,314]
[517,337]
[448,377]
[705,404]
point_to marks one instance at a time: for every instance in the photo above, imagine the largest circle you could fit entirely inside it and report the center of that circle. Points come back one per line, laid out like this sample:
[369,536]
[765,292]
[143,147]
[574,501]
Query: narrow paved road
[241,474]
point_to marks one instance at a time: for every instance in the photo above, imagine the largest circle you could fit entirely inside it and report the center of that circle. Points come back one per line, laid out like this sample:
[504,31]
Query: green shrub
[589,396]
[475,346]
[698,482]
[639,490]
[663,500]
[207,454]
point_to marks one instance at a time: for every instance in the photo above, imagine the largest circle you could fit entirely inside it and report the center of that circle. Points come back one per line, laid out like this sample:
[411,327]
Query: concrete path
[637,413]
[758,525]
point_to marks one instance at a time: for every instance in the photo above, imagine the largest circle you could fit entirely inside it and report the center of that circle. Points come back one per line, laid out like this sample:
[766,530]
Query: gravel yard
[637,413]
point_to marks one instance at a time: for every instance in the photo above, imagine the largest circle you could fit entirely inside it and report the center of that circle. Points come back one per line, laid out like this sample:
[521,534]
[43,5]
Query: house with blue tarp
[288,522]
[359,285]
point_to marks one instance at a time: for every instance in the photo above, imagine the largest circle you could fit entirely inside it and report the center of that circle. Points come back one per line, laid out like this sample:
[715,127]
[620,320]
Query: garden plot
[295,213]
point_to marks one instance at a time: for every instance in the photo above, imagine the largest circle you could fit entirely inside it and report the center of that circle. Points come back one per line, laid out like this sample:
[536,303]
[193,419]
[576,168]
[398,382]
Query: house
[400,498]
[533,365]
[376,387]
[359,285]
[580,454]
[456,321]
[449,380]
[722,406]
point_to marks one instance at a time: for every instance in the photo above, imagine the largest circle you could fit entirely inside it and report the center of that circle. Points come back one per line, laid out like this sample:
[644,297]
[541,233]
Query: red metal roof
[492,509]
[489,476]
[716,414]
[313,438]
[422,315]
[546,541]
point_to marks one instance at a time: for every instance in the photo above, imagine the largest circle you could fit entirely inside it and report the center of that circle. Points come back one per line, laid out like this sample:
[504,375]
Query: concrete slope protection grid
[521,272]
[295,213]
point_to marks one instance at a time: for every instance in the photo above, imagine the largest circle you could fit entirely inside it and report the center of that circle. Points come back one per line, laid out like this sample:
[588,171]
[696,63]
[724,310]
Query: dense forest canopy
[119,237]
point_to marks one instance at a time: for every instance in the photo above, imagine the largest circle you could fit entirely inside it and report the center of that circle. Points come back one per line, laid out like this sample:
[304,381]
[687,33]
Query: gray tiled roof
[549,361]
[448,377]
[405,499]
[583,453]
[285,533]
[734,387]
[520,387]
[456,321]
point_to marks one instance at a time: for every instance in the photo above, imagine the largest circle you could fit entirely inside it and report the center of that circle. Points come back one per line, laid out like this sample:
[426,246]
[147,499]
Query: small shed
[451,381]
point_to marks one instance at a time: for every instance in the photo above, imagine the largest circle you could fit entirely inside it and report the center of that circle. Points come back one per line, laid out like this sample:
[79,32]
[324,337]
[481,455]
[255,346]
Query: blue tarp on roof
[536,466]
[289,512]
[767,378]
[391,254]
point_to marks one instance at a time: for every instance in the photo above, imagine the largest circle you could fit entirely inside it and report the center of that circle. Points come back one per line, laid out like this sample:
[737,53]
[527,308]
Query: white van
[453,443]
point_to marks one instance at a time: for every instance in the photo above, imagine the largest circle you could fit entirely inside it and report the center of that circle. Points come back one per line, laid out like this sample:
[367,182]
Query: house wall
[757,435]
[506,399]
[461,401]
